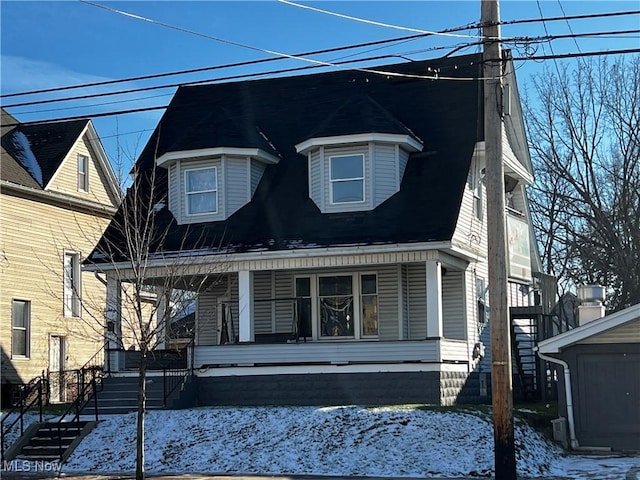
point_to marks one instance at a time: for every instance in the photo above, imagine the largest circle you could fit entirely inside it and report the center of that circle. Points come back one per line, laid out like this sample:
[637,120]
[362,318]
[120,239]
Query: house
[345,216]
[599,389]
[57,194]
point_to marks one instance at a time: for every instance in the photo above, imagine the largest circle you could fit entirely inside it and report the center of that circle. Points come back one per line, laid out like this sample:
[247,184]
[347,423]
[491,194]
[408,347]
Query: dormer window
[201,190]
[347,179]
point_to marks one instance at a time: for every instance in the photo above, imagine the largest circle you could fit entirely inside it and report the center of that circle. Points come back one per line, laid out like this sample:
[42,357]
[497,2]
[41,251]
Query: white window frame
[26,328]
[83,176]
[187,192]
[333,181]
[72,284]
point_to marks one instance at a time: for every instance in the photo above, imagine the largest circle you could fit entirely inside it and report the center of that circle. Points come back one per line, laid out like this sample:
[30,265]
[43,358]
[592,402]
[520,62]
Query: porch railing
[32,394]
[177,372]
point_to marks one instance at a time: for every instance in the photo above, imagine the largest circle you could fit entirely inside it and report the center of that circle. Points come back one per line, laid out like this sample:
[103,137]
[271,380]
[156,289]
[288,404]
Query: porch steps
[120,395]
[49,443]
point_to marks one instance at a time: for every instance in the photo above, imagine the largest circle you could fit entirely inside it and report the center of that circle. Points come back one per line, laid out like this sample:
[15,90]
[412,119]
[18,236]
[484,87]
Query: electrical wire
[373,22]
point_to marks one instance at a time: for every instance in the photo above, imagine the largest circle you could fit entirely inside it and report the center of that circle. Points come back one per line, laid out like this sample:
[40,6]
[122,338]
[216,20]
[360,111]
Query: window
[481,293]
[201,188]
[369,305]
[20,325]
[72,288]
[347,179]
[336,306]
[303,307]
[83,173]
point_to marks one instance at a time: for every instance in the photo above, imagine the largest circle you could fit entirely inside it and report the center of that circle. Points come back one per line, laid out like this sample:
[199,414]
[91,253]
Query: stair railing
[31,394]
[89,383]
[176,373]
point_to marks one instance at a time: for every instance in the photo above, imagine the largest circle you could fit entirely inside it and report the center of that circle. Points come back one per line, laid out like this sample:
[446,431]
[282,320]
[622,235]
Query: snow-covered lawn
[389,441]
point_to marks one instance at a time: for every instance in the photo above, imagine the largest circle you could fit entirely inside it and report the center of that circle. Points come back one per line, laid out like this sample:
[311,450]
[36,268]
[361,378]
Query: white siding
[206,318]
[315,179]
[385,173]
[257,170]
[404,273]
[404,158]
[453,305]
[262,309]
[236,180]
[417,296]
[174,191]
[284,309]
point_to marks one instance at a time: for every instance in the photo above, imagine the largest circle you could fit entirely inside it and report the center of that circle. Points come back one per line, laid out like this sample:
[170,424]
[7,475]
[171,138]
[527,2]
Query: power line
[515,40]
[572,17]
[373,22]
[124,112]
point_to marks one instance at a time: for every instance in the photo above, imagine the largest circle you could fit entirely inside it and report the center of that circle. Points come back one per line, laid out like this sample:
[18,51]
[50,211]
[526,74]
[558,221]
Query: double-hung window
[20,326]
[83,173]
[72,288]
[347,178]
[201,189]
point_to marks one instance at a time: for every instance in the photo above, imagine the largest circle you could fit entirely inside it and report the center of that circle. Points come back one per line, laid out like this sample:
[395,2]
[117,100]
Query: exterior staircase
[120,395]
[52,442]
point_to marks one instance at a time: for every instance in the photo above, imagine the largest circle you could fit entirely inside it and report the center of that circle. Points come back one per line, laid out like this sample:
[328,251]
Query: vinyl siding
[236,183]
[385,173]
[453,305]
[66,178]
[34,237]
[262,289]
[284,309]
[315,179]
[404,158]
[417,299]
[629,333]
[404,274]
[207,327]
[388,297]
[257,170]
[174,190]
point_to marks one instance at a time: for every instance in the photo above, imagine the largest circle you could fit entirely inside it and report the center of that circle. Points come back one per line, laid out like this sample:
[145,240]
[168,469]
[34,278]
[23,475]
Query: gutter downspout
[569,397]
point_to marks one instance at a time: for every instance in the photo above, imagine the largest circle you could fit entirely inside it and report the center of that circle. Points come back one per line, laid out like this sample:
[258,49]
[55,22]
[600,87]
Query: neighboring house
[347,214]
[58,192]
[602,357]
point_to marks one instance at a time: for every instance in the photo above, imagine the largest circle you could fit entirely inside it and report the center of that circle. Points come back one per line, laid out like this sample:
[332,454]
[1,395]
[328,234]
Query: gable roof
[37,151]
[445,115]
[595,327]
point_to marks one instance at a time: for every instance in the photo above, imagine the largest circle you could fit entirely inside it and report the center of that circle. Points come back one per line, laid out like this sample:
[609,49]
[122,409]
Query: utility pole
[501,379]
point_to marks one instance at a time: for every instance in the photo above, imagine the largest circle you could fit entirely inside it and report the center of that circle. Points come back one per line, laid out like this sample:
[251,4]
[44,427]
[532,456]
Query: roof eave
[407,141]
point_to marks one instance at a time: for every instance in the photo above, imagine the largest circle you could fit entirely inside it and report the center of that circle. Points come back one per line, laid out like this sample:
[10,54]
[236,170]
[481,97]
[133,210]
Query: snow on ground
[14,433]
[387,442]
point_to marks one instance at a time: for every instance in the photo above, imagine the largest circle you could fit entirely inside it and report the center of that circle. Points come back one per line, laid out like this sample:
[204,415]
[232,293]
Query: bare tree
[584,127]
[132,253]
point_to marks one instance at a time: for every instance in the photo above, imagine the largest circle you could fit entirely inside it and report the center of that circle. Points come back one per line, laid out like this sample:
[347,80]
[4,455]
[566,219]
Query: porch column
[245,307]
[113,323]
[434,299]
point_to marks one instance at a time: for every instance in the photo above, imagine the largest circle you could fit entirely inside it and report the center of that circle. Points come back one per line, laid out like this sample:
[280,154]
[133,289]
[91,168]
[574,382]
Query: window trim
[26,329]
[351,179]
[73,310]
[187,192]
[83,176]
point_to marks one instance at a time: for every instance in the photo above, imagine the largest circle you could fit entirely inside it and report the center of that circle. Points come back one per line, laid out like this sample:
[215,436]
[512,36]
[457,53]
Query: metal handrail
[172,377]
[23,406]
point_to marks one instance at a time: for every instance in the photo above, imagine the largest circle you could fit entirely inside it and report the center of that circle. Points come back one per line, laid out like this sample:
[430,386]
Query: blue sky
[51,44]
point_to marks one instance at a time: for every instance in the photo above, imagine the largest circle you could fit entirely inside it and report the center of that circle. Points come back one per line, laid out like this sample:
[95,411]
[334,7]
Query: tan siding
[66,179]
[33,238]
[629,333]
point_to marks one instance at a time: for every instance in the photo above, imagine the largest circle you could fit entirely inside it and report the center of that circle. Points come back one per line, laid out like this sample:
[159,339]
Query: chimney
[591,307]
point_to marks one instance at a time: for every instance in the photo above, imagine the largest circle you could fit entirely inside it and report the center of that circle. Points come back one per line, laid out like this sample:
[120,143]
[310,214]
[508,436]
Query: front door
[56,368]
